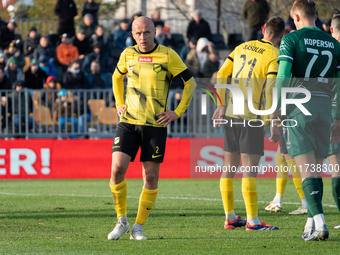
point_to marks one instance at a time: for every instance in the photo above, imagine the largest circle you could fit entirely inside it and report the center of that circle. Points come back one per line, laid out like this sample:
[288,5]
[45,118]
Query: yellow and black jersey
[149,78]
[252,64]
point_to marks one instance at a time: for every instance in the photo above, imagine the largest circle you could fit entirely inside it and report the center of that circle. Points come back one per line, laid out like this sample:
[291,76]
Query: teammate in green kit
[311,58]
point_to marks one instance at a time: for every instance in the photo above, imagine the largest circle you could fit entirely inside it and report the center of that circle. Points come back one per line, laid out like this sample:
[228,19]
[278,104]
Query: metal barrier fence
[50,26]
[87,113]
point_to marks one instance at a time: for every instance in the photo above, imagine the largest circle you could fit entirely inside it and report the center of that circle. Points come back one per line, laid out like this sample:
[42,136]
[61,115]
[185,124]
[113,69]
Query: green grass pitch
[75,216]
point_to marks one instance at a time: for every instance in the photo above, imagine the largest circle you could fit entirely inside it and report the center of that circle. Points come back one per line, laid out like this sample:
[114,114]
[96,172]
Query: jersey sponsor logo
[314,192]
[318,43]
[117,139]
[143,59]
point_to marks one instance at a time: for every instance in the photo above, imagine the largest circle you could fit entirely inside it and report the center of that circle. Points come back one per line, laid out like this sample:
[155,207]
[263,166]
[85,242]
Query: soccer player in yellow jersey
[143,119]
[252,64]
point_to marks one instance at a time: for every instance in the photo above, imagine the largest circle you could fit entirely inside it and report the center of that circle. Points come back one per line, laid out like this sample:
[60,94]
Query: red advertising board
[88,159]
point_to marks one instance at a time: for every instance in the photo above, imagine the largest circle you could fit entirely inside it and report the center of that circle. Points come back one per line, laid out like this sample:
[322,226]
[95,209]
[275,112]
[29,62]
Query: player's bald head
[143,22]
[335,24]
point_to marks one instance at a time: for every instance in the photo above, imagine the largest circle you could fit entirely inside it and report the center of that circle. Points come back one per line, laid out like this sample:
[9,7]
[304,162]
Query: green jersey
[315,58]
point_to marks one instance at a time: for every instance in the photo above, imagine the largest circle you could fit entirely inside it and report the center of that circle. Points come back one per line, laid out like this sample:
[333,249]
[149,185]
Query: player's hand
[274,134]
[335,134]
[219,114]
[276,116]
[167,117]
[121,110]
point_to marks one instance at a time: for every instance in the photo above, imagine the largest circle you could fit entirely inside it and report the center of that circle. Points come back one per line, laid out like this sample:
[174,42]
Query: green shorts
[334,148]
[312,133]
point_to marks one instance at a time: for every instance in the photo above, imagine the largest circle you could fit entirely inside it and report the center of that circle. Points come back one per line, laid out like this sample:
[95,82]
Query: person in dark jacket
[74,77]
[3,60]
[256,13]
[7,34]
[47,66]
[14,51]
[4,82]
[88,26]
[198,27]
[45,48]
[211,65]
[13,72]
[90,7]
[96,79]
[23,106]
[31,42]
[98,56]
[34,76]
[156,18]
[121,34]
[82,43]
[66,10]
[99,37]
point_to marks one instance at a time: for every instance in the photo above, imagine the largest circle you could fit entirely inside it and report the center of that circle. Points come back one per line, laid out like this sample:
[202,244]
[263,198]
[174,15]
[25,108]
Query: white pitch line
[171,198]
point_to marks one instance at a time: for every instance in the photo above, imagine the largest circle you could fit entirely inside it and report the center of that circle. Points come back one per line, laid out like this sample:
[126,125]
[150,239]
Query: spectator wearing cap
[65,110]
[88,26]
[96,55]
[156,18]
[12,71]
[23,107]
[35,76]
[74,77]
[66,51]
[192,61]
[49,94]
[121,34]
[66,10]
[31,42]
[47,66]
[45,48]
[198,27]
[3,60]
[7,34]
[90,7]
[256,13]
[14,51]
[99,37]
[82,43]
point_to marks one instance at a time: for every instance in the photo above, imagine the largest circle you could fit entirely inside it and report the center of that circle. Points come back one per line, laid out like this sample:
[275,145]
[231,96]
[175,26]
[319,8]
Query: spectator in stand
[47,66]
[22,102]
[5,119]
[96,79]
[99,37]
[13,73]
[198,27]
[34,76]
[45,48]
[49,94]
[4,81]
[7,34]
[156,18]
[31,42]
[66,52]
[74,77]
[211,65]
[3,60]
[66,109]
[84,116]
[122,34]
[82,43]
[256,13]
[203,49]
[66,10]
[88,26]
[288,27]
[163,36]
[96,55]
[192,61]
[327,25]
[90,7]
[14,51]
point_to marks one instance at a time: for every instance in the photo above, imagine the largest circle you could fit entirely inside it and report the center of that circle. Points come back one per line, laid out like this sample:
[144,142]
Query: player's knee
[117,171]
[151,178]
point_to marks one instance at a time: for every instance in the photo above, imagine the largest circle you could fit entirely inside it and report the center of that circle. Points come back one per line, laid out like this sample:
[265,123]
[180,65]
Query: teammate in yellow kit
[252,64]
[143,119]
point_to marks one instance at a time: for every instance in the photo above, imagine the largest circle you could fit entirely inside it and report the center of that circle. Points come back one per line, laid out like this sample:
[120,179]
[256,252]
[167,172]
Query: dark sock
[336,191]
[311,189]
[321,187]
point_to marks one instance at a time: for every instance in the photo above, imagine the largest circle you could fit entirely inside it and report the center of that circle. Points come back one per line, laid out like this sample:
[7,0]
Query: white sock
[277,198]
[319,220]
[231,217]
[123,219]
[304,203]
[309,225]
[138,226]
[254,221]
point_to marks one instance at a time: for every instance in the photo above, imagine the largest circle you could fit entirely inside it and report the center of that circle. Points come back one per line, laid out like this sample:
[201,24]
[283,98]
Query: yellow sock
[146,202]
[249,193]
[227,193]
[282,175]
[119,194]
[296,177]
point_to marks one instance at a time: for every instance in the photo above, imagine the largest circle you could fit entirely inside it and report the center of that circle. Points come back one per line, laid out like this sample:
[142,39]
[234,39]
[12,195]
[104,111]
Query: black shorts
[282,142]
[130,137]
[243,138]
